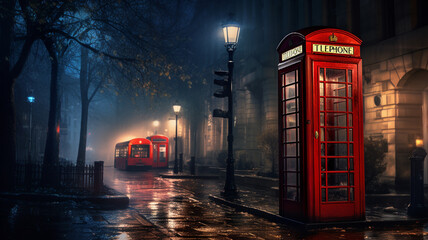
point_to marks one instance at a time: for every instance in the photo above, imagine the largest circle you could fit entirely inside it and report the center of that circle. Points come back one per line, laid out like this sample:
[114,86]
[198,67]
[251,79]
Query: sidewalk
[20,219]
[386,210]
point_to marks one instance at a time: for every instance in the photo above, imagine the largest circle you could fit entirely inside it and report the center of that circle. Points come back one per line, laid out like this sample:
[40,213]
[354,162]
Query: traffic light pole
[230,187]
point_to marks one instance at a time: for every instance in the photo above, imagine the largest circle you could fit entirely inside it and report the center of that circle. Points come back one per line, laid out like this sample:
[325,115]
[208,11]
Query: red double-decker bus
[134,154]
[160,151]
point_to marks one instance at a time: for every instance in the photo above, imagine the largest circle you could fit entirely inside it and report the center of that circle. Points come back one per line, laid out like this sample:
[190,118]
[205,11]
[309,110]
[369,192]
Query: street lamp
[30,99]
[176,109]
[231,36]
[155,125]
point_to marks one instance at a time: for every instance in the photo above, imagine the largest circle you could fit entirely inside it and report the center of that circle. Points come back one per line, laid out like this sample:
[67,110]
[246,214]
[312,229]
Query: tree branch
[94,50]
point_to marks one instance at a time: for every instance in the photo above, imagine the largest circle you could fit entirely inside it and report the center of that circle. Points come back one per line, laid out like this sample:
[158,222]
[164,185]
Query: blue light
[31,99]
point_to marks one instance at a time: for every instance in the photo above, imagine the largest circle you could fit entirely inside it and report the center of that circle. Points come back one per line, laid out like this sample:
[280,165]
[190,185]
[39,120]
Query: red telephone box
[160,151]
[321,126]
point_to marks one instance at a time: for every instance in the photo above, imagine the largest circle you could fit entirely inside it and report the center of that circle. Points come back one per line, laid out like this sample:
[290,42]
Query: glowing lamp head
[156,123]
[31,99]
[231,33]
[176,108]
[419,142]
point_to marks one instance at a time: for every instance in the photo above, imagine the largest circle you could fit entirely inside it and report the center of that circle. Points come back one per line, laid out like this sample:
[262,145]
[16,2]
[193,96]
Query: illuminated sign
[162,149]
[321,48]
[292,52]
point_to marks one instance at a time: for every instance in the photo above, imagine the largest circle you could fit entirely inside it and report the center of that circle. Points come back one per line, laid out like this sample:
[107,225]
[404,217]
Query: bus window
[162,153]
[123,151]
[140,151]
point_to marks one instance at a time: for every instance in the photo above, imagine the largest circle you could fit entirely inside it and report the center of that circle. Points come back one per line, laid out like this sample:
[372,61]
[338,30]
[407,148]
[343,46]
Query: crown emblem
[332,38]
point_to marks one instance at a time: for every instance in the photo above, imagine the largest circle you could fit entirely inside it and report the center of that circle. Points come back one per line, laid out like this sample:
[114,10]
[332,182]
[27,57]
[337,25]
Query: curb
[188,176]
[103,201]
[310,226]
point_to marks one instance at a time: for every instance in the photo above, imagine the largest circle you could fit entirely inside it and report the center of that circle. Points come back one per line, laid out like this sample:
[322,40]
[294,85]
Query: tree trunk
[51,157]
[8,76]
[81,155]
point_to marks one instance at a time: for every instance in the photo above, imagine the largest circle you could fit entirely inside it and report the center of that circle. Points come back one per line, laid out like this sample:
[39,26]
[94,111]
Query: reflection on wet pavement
[181,207]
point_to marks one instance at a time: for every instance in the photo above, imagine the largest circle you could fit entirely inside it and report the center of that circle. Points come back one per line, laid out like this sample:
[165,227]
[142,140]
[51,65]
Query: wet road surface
[180,208]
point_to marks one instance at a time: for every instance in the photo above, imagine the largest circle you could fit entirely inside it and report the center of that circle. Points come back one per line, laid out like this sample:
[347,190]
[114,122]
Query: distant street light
[176,109]
[156,124]
[30,99]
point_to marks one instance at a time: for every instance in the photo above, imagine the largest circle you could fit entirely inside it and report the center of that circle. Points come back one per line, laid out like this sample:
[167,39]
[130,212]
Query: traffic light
[220,113]
[221,93]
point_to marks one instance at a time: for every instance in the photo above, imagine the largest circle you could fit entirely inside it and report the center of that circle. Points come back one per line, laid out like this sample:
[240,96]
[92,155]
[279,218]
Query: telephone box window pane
[351,149]
[291,149]
[350,120]
[322,179]
[321,119]
[321,88]
[322,134]
[297,90]
[351,164]
[337,194]
[351,179]
[335,75]
[337,179]
[351,194]
[335,90]
[349,105]
[321,104]
[291,91]
[350,135]
[291,120]
[284,107]
[336,119]
[297,119]
[291,164]
[283,80]
[337,149]
[349,90]
[291,106]
[323,195]
[291,179]
[298,164]
[290,78]
[336,134]
[322,164]
[336,104]
[322,149]
[292,193]
[321,74]
[291,135]
[284,136]
[283,93]
[350,76]
[337,164]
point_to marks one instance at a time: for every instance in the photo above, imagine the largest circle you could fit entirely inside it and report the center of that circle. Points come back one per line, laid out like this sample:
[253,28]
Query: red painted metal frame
[160,140]
[311,208]
[128,162]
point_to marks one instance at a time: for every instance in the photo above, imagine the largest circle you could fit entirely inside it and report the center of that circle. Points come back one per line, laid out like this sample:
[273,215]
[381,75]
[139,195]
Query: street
[181,209]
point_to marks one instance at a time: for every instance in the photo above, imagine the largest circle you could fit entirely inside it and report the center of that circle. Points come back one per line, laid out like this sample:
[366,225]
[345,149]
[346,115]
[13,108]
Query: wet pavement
[182,209]
[163,208]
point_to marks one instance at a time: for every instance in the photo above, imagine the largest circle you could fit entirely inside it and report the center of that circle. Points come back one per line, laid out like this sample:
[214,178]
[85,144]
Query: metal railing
[65,175]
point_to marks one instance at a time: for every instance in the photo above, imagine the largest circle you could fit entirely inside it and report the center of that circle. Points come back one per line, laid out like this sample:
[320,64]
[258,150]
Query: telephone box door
[155,155]
[337,144]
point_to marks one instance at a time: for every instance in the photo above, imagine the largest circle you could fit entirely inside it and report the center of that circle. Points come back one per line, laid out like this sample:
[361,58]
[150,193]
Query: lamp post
[30,99]
[177,109]
[231,35]
[155,125]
